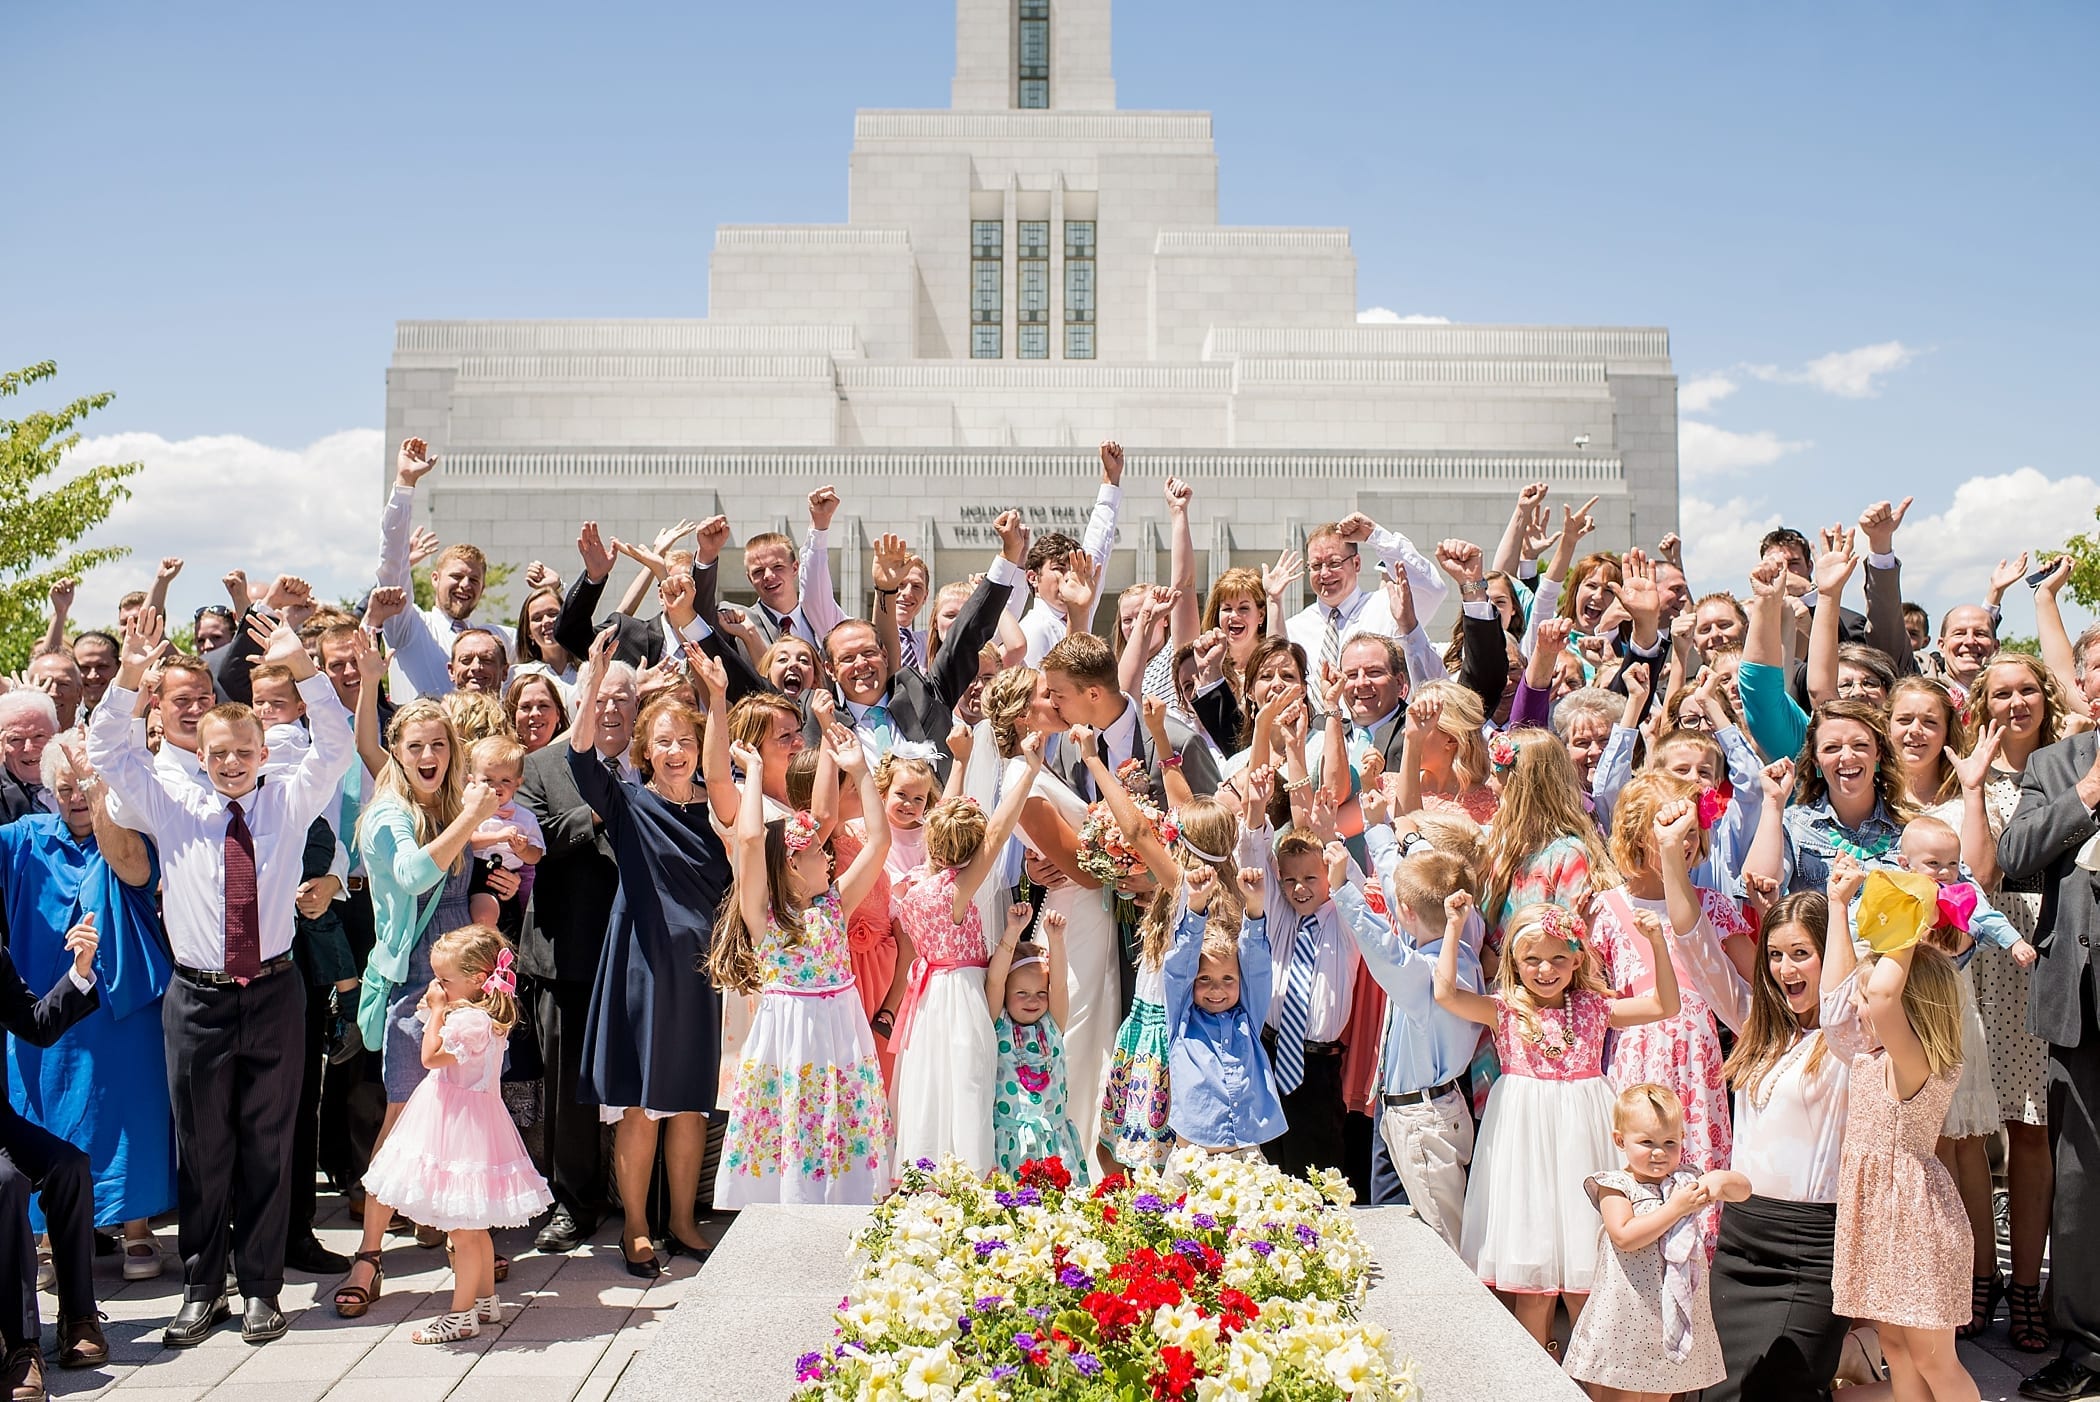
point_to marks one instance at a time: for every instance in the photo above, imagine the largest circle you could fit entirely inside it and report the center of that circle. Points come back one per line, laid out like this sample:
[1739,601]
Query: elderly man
[28,720]
[572,903]
[886,707]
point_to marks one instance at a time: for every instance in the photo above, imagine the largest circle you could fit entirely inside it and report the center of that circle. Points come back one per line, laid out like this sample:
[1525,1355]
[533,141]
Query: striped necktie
[908,646]
[1297,1007]
[1331,640]
[243,915]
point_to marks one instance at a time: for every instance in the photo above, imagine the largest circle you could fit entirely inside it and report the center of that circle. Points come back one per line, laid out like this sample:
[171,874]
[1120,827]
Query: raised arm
[1840,955]
[753,893]
[115,748]
[999,828]
[1662,1001]
[1509,551]
[163,578]
[1884,994]
[889,573]
[583,726]
[61,609]
[860,877]
[1187,617]
[1001,962]
[1130,820]
[1833,570]
[1473,1007]
[1767,855]
[1154,712]
[2057,653]
[1884,581]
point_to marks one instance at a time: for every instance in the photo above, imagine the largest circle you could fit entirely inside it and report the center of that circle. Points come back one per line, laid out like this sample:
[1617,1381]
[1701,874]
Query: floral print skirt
[1134,1107]
[808,1120]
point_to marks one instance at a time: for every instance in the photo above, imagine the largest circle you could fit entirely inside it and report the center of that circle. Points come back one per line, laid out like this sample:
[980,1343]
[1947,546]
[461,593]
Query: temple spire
[1028,54]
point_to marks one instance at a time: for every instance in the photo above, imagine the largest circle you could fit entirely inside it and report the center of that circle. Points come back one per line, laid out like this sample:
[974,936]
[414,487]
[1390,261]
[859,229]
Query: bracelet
[885,593]
[1298,785]
[1170,762]
[883,1021]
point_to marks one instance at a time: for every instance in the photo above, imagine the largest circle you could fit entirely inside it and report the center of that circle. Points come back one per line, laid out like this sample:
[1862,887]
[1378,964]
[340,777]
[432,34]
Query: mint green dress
[1029,1118]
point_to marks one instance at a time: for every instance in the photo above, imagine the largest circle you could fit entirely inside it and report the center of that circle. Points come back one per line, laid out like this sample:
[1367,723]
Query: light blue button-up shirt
[1424,1045]
[1224,1094]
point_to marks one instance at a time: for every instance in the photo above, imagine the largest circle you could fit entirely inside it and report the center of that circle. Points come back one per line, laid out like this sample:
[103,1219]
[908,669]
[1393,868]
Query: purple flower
[1006,1200]
[1004,1371]
[1148,1202]
[986,1302]
[1205,1222]
[926,1164]
[1024,1342]
[1039,1312]
[1260,1248]
[1073,1278]
[1193,1249]
[1306,1234]
[1029,1197]
[962,1323]
[988,1246]
[1087,1364]
[809,1367]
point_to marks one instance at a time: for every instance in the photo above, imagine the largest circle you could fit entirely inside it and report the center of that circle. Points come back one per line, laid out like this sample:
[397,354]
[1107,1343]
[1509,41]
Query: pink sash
[922,972]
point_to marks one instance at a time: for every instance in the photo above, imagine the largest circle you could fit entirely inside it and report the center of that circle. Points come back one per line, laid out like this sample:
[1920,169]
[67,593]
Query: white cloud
[225,501]
[1386,316]
[1720,541]
[1704,450]
[1848,374]
[1703,393]
[1948,557]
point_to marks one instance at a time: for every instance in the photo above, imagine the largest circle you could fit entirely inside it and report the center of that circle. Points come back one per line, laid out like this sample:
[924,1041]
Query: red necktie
[243,913]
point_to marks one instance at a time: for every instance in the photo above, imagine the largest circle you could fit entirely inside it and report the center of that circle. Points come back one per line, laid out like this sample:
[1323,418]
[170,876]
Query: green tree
[41,519]
[2083,586]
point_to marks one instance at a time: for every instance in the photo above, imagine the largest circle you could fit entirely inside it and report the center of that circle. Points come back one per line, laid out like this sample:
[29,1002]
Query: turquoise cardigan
[399,871]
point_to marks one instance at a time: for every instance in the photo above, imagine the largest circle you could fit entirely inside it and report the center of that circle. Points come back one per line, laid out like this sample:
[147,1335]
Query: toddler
[1218,982]
[1026,982]
[508,840]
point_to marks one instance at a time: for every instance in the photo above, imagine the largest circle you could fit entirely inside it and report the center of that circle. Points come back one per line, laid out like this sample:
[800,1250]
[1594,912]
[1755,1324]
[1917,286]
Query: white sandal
[488,1309]
[448,1328]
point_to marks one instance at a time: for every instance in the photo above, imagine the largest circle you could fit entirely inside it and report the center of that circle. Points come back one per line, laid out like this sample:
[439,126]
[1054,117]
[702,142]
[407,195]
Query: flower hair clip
[1712,804]
[501,979]
[1559,924]
[799,831]
[1502,751]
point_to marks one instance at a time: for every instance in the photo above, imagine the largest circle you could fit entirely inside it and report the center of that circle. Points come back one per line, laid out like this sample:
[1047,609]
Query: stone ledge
[768,1293]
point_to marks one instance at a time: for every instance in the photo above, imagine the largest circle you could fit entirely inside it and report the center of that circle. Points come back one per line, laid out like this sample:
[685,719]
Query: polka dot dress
[1029,1120]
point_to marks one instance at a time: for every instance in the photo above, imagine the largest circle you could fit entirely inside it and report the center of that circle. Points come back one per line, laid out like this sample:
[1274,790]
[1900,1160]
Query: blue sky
[1869,228]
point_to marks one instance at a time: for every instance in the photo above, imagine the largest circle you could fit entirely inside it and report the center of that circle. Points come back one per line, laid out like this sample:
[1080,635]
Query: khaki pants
[1431,1142]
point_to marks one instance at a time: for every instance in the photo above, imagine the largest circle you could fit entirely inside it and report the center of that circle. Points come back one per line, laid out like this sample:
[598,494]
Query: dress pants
[306,1128]
[2074,1221]
[34,1159]
[574,1148]
[1314,1113]
[233,1075]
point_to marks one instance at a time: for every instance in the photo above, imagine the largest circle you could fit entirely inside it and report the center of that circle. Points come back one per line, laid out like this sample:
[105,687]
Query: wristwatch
[1473,591]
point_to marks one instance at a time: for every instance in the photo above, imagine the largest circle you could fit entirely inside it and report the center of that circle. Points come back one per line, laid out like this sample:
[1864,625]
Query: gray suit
[2048,828]
[1197,766]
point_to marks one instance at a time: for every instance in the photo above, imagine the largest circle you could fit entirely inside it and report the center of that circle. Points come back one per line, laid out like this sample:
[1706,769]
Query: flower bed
[1219,1279]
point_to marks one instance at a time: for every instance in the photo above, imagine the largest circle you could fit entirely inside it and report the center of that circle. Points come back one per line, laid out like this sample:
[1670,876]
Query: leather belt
[219,978]
[1419,1097]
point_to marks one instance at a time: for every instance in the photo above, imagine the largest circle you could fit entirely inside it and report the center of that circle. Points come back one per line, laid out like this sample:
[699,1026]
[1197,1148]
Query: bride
[1015,704]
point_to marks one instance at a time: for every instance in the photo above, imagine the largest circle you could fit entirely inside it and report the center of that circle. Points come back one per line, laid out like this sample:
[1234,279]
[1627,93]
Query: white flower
[1351,1366]
[931,1373]
[1183,1327]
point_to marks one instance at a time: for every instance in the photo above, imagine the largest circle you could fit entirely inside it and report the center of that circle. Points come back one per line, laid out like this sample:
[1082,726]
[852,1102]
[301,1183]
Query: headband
[1020,964]
[799,831]
[501,979]
[914,749]
[1172,831]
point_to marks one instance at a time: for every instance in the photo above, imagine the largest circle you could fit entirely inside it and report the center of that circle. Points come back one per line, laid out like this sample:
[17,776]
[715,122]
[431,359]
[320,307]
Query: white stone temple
[1018,277]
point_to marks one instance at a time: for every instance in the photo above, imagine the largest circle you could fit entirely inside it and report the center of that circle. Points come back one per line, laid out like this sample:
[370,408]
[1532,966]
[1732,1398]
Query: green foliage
[2083,587]
[2032,647]
[40,519]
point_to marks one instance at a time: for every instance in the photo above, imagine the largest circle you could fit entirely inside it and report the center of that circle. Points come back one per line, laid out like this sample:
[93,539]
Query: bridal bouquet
[1219,1279]
[1106,854]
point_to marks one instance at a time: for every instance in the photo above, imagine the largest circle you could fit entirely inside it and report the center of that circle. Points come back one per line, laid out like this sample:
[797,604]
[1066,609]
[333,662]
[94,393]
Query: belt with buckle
[1419,1097]
[1312,1048]
[219,978]
[357,883]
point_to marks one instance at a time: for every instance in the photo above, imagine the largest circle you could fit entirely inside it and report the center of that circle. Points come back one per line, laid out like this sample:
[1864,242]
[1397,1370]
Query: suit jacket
[17,800]
[577,879]
[640,642]
[922,707]
[1197,767]
[2042,839]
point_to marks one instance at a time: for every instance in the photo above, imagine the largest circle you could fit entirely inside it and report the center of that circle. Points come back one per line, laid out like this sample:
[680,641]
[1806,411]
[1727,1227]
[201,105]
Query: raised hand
[1200,884]
[1371,768]
[892,563]
[713,536]
[744,758]
[1974,768]
[1019,916]
[1777,779]
[674,591]
[1400,600]
[1462,560]
[1355,528]
[1179,495]
[649,559]
[170,566]
[142,638]
[823,505]
[1032,750]
[846,750]
[1371,803]
[1671,548]
[1260,782]
[1846,877]
[1112,463]
[62,594]
[288,591]
[2054,580]
[2008,573]
[1577,522]
[383,604]
[422,544]
[1762,890]
[1457,906]
[1336,856]
[1013,535]
[1768,579]
[480,800]
[1154,713]
[1878,524]
[670,535]
[1076,590]
[1210,657]
[371,659]
[1833,568]
[597,555]
[1636,676]
[824,706]
[1330,690]
[1674,824]
[1251,881]
[714,677]
[1638,594]
[81,941]
[961,739]
[413,463]
[1288,570]
[1081,738]
[279,642]
[1553,635]
[1421,722]
[538,577]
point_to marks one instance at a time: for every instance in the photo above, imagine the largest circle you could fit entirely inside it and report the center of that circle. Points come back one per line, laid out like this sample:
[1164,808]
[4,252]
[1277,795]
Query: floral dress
[1029,1117]
[1558,873]
[808,1122]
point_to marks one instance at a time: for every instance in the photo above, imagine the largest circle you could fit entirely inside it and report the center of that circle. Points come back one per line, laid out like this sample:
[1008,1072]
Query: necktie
[243,915]
[611,763]
[1331,640]
[1297,1007]
[908,645]
[785,624]
[875,723]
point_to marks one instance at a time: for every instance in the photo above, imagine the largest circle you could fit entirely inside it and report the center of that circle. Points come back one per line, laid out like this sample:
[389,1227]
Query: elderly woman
[103,1086]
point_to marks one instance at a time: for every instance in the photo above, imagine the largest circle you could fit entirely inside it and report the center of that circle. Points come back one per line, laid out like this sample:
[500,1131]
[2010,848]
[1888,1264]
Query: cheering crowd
[1680,961]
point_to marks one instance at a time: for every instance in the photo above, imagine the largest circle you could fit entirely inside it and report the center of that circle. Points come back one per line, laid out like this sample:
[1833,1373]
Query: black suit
[17,799]
[1198,769]
[572,901]
[2043,840]
[34,1159]
[641,643]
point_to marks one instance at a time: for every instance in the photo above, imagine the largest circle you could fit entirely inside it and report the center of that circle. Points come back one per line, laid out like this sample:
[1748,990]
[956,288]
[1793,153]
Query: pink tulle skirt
[454,1161]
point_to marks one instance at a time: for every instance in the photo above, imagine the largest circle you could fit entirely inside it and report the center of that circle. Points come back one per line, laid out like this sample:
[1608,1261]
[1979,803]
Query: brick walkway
[571,1324]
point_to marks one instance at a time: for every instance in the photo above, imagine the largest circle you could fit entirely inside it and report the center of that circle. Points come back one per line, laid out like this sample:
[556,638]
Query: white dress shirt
[1118,742]
[188,824]
[1043,623]
[1335,958]
[819,611]
[438,627]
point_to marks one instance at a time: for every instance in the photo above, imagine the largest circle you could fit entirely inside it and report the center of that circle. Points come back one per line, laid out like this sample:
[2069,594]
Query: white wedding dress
[1093,963]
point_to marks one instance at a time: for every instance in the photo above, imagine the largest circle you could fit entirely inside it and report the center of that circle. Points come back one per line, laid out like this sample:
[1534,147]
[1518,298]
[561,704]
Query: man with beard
[457,576]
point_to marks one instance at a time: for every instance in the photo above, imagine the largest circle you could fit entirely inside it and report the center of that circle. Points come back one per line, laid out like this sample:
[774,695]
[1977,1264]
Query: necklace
[692,797]
[1761,1093]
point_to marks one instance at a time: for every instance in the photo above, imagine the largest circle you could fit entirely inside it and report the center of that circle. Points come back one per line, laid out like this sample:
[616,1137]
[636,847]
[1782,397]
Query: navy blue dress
[654,1035]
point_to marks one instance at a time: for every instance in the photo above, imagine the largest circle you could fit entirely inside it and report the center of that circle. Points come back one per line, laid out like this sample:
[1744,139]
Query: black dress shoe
[261,1320]
[698,1253]
[306,1255]
[2061,1380]
[194,1321]
[648,1268]
[562,1234]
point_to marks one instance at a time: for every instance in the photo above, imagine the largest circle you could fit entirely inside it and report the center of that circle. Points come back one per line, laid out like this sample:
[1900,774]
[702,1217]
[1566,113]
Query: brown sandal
[502,1268]
[351,1301]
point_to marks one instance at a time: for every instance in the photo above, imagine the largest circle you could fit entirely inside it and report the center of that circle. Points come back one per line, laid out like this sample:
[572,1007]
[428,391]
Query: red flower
[1176,1375]
[1114,1183]
[1113,1315]
[1046,1173]
[1108,1215]
[1236,1310]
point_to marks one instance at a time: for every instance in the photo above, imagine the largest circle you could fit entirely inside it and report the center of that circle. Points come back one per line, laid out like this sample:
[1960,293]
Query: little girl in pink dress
[454,1160]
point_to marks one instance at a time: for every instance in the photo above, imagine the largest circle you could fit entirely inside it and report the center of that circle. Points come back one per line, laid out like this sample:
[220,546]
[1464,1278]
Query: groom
[1079,676]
